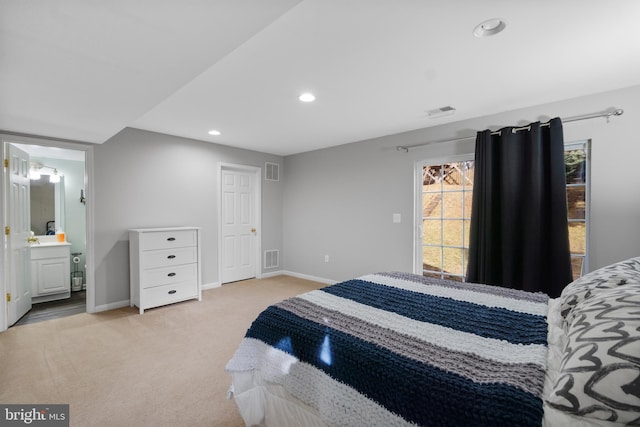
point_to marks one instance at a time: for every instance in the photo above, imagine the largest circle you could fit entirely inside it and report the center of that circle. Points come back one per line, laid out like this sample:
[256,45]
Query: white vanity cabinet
[164,265]
[50,272]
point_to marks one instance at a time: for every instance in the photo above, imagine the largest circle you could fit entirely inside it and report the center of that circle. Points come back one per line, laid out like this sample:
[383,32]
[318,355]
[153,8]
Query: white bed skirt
[265,404]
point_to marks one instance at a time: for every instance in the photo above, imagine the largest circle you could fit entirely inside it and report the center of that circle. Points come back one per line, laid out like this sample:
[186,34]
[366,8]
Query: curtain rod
[607,114]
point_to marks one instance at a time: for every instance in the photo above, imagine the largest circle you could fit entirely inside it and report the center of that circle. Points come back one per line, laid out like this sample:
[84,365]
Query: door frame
[7,138]
[257,191]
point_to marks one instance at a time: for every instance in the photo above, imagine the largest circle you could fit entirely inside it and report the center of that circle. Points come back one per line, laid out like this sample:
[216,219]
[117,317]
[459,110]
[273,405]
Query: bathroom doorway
[62,210]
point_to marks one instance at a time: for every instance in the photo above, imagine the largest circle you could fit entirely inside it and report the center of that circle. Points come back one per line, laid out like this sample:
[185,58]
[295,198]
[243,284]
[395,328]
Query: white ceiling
[84,70]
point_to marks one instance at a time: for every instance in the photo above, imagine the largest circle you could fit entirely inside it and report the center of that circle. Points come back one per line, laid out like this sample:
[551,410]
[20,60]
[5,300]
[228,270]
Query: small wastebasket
[77,276]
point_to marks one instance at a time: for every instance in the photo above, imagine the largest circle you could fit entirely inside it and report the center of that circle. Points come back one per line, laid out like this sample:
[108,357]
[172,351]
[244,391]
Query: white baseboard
[271,274]
[308,277]
[111,306]
[125,303]
[206,286]
[280,273]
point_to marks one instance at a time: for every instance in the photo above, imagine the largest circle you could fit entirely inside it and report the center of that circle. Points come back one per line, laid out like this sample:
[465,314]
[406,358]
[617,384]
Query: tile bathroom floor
[55,309]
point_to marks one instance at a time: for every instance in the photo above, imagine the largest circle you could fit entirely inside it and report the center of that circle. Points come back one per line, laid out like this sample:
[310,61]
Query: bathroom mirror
[47,206]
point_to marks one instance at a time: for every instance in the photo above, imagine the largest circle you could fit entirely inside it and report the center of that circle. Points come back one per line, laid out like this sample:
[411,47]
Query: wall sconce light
[37,170]
[55,178]
[34,173]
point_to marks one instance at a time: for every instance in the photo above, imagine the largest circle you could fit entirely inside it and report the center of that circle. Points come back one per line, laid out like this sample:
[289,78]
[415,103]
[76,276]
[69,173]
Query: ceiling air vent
[271,171]
[271,258]
[441,112]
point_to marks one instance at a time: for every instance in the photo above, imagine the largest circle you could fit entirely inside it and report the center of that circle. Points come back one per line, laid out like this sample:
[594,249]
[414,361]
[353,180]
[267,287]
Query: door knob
[253,230]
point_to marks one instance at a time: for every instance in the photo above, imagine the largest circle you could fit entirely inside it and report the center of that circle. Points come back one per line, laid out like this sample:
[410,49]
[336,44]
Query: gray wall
[146,179]
[339,201]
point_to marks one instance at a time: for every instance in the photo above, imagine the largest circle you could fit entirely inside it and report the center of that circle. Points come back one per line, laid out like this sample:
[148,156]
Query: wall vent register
[271,171]
[271,258]
[165,266]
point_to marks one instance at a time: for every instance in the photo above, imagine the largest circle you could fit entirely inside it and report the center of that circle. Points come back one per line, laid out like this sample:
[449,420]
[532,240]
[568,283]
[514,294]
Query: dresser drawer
[168,239]
[169,257]
[167,294]
[166,275]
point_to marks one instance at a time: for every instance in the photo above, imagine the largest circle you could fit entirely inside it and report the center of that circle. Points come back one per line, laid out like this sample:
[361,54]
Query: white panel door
[18,218]
[238,225]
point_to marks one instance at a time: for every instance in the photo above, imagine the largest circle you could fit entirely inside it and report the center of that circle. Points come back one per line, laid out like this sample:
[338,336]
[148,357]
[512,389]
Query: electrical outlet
[326,258]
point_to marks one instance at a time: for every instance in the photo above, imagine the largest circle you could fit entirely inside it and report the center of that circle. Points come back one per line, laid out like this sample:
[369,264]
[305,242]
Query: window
[447,191]
[445,196]
[577,164]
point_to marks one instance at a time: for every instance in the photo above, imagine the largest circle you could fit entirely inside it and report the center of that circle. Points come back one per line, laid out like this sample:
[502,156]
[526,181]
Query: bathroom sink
[47,241]
[46,244]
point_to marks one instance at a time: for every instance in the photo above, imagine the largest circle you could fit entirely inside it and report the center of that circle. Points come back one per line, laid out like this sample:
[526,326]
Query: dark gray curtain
[519,237]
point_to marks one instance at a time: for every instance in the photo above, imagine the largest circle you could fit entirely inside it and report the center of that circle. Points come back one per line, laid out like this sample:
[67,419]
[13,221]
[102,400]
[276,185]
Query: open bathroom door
[17,234]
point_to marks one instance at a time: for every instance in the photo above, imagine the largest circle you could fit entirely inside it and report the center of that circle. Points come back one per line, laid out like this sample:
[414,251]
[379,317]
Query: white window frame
[418,178]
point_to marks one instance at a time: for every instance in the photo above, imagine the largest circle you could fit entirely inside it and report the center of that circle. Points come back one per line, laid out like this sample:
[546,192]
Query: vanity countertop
[48,244]
[48,241]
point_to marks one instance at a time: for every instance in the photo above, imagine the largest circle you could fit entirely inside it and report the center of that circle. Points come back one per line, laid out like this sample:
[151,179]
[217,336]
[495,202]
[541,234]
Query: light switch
[397,218]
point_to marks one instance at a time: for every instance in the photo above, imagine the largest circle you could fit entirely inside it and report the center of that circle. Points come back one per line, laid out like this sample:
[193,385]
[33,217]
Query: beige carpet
[119,368]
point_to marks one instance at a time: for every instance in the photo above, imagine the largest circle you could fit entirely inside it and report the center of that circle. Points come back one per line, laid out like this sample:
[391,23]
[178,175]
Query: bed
[392,349]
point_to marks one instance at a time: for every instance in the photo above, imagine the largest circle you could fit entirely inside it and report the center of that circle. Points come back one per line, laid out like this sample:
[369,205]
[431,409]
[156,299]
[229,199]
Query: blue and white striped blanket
[399,349]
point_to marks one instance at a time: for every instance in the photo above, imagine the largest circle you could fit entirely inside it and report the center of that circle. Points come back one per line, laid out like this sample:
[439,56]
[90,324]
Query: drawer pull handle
[171,256]
[172,291]
[171,239]
[171,274]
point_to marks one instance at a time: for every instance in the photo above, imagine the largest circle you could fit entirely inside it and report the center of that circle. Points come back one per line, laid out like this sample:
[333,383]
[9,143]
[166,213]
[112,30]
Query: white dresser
[165,266]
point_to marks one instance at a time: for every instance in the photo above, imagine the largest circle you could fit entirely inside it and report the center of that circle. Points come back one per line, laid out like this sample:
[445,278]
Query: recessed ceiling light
[307,97]
[214,132]
[490,27]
